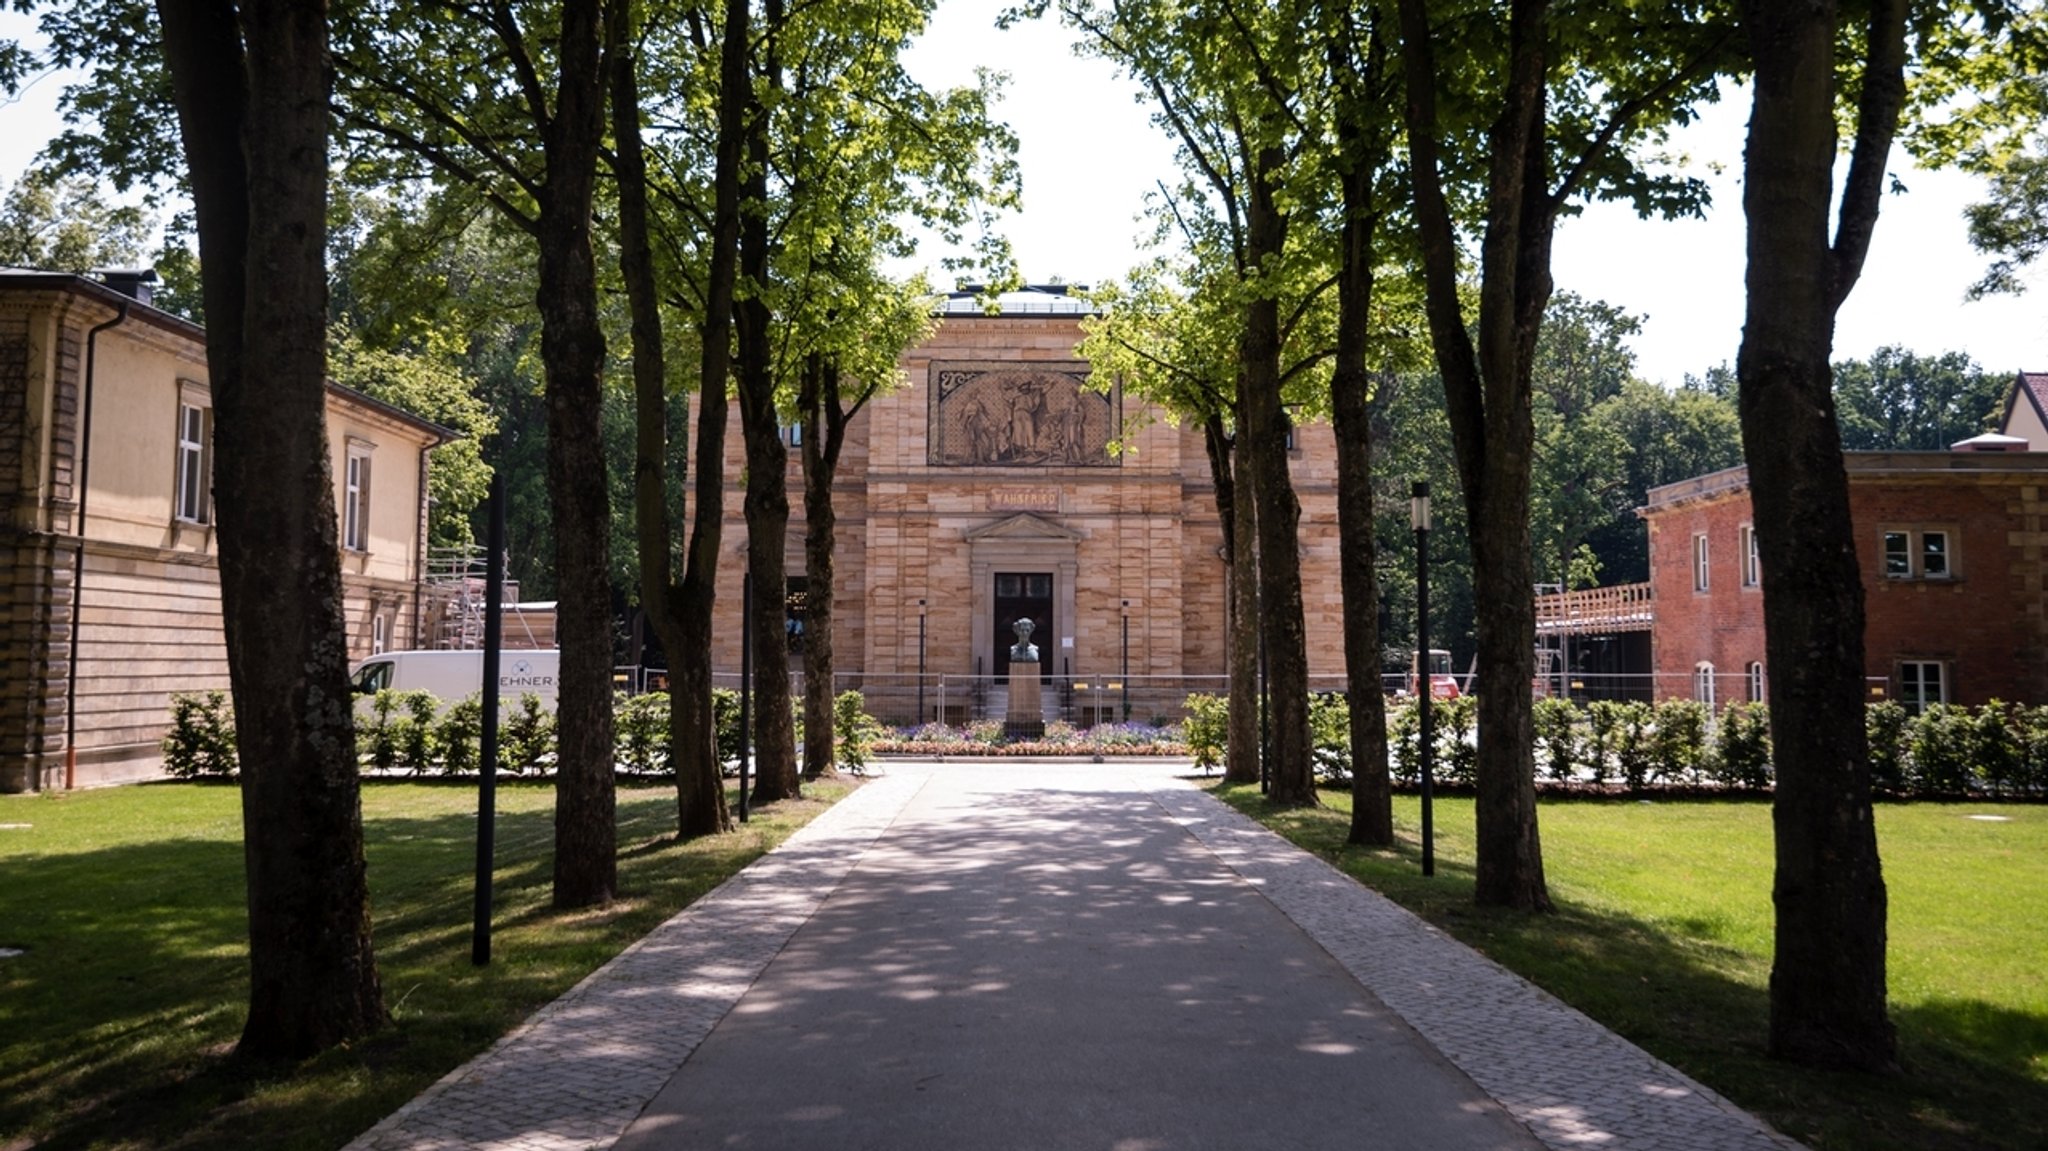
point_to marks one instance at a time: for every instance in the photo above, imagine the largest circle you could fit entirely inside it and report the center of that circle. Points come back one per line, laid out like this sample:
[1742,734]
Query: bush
[1404,742]
[2033,724]
[1742,746]
[381,751]
[459,735]
[1997,748]
[641,725]
[413,731]
[1329,728]
[1557,733]
[1887,726]
[1208,729]
[1942,738]
[1678,739]
[855,731]
[725,710]
[1633,743]
[1454,720]
[1603,728]
[201,742]
[526,736]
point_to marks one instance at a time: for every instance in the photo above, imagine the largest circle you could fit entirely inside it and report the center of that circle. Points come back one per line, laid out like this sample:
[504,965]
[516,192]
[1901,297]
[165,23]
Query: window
[793,434]
[1752,571]
[195,475]
[355,499]
[1922,682]
[1934,555]
[1917,553]
[1703,683]
[1699,561]
[1753,678]
[378,635]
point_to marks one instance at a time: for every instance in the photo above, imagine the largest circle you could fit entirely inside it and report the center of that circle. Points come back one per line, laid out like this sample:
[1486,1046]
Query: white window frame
[1913,677]
[379,634]
[357,476]
[1903,551]
[1700,556]
[1753,678]
[1752,567]
[192,482]
[1703,682]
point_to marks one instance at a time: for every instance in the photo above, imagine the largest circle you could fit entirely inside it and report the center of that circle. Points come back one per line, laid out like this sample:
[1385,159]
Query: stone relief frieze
[1006,414]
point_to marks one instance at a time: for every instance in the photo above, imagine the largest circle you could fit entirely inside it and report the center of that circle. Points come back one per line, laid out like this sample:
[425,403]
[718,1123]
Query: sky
[1089,154]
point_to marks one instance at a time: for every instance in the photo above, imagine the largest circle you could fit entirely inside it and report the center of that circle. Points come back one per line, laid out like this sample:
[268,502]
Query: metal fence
[909,701]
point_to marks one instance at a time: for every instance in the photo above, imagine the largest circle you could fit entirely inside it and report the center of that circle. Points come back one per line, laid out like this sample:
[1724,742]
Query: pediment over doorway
[1023,526]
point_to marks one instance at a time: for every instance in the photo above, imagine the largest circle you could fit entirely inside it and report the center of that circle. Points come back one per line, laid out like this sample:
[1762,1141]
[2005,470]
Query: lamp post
[1418,518]
[1127,662]
[746,683]
[487,767]
[920,663]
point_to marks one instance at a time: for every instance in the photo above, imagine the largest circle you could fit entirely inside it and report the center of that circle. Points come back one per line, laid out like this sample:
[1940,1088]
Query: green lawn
[128,903]
[1663,933]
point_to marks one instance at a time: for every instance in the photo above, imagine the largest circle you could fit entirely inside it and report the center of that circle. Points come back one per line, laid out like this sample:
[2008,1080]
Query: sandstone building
[1000,482]
[108,569]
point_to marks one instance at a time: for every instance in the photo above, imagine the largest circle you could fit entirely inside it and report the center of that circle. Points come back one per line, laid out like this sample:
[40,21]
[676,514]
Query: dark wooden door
[1021,595]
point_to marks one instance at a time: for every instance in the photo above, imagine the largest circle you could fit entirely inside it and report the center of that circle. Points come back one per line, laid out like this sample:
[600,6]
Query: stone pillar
[1026,718]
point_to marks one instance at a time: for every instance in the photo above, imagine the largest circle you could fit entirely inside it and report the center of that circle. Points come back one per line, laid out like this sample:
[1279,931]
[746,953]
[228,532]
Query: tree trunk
[1372,788]
[767,498]
[824,436]
[572,355]
[1264,444]
[1487,396]
[692,724]
[1241,613]
[693,717]
[257,158]
[1828,968]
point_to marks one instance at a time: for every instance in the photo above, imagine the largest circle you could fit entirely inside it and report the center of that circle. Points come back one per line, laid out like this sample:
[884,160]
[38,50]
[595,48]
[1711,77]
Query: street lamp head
[1418,505]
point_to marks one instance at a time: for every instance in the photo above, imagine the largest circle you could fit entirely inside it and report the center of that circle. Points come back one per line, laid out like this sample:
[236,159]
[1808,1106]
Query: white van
[453,676]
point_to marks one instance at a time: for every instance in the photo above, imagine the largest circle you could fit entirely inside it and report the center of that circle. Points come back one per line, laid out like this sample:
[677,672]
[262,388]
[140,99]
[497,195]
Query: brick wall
[1985,622]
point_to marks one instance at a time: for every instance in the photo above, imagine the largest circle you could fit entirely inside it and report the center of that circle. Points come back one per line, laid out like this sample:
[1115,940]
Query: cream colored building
[140,578]
[985,489]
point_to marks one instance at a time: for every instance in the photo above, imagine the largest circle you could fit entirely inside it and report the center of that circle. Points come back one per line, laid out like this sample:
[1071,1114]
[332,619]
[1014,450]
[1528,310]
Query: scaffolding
[456,593]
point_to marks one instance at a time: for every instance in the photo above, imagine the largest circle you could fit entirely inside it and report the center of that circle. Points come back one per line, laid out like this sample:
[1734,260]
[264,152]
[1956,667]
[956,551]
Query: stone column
[1026,717]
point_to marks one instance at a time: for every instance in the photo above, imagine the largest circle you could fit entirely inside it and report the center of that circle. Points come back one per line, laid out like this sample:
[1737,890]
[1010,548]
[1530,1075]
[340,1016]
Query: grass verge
[1663,933]
[128,904]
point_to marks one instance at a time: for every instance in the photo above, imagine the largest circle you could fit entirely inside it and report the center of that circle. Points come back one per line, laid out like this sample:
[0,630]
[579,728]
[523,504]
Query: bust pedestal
[1026,718]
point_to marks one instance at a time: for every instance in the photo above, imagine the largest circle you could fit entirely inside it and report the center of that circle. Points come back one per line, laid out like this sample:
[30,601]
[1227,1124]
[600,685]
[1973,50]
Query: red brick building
[1952,550]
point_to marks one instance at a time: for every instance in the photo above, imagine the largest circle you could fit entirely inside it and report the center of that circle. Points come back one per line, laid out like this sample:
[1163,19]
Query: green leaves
[61,224]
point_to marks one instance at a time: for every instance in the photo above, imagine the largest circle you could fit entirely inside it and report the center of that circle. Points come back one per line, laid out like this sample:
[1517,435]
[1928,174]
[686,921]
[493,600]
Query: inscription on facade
[999,414]
[1024,500]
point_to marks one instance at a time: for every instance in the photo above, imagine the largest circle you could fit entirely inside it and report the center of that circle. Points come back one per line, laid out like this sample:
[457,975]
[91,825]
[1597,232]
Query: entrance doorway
[1024,595]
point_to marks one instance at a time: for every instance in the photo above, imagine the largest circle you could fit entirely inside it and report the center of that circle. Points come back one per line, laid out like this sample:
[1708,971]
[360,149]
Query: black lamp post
[1418,517]
[746,683]
[1126,687]
[487,768]
[920,663]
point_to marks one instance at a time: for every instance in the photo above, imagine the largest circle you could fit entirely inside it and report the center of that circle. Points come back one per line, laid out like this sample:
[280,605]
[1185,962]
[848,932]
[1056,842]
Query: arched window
[1754,677]
[1703,683]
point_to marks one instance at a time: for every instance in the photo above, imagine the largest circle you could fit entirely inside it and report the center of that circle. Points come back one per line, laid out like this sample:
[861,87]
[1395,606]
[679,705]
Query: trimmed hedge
[1998,749]
[412,732]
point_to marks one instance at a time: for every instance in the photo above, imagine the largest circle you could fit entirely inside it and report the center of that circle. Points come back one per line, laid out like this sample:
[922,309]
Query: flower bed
[985,737]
